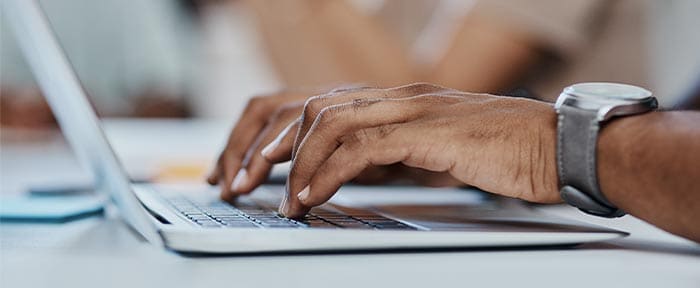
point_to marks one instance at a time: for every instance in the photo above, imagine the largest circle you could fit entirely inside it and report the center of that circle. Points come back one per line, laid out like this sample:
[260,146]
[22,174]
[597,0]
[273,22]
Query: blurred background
[201,60]
[204,58]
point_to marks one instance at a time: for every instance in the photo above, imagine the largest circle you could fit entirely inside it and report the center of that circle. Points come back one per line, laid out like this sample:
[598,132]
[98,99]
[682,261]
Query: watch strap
[577,139]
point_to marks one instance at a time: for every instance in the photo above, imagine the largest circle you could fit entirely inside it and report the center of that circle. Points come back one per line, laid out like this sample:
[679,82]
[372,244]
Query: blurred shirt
[649,43]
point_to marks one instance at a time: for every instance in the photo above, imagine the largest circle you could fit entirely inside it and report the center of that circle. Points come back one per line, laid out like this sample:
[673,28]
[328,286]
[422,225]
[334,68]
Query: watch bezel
[606,107]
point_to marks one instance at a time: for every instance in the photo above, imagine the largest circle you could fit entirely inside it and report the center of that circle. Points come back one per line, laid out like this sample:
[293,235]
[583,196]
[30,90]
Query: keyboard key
[392,226]
[356,225]
[240,224]
[225,218]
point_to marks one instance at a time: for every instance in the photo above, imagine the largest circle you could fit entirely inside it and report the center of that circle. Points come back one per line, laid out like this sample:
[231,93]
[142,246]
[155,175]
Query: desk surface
[103,250]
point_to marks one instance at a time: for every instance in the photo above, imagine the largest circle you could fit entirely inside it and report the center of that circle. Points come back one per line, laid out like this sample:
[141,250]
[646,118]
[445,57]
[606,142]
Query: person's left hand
[500,144]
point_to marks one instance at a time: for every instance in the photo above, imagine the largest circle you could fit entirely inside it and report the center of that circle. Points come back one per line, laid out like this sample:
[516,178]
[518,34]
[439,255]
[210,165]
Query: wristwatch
[582,109]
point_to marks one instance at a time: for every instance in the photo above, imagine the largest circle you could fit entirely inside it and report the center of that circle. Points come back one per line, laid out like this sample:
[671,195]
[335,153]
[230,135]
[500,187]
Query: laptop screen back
[69,103]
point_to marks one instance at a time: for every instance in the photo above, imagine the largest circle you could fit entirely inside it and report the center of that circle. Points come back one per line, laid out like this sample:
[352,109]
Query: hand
[503,145]
[240,167]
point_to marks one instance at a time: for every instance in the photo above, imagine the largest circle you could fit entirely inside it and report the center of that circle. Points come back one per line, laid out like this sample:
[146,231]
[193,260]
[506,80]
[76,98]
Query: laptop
[191,219]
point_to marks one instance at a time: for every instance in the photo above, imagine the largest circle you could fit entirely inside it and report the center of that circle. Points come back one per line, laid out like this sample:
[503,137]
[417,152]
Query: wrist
[619,152]
[583,110]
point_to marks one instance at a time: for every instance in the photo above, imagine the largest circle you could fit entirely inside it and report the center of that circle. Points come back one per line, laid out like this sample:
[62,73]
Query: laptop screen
[75,115]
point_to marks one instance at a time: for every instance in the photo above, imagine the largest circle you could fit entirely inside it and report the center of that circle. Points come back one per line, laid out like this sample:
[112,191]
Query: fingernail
[269,148]
[304,194]
[240,180]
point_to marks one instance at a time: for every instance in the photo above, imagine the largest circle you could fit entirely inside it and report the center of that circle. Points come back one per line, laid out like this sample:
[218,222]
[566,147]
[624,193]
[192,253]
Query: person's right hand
[240,167]
[243,164]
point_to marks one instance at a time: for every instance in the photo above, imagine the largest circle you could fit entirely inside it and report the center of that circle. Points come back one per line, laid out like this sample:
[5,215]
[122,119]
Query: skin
[321,42]
[266,119]
[648,166]
[503,145]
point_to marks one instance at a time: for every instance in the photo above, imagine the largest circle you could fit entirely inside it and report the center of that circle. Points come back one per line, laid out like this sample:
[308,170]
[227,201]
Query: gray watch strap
[577,139]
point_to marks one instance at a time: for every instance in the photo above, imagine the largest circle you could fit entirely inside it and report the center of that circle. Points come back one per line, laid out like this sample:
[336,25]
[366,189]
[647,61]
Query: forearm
[365,48]
[649,166]
[322,42]
[294,44]
[484,57]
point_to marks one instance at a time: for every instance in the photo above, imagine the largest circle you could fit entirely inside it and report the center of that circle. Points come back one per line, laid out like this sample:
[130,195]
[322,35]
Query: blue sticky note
[49,209]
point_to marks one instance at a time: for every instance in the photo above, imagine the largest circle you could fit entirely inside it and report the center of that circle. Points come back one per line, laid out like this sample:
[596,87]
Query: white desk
[103,252]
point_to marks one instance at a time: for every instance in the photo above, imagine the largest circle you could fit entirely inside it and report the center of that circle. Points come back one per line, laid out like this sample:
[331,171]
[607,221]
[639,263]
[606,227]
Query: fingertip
[278,156]
[212,180]
[290,210]
[240,182]
[303,196]
[213,177]
[227,196]
[295,213]
[269,149]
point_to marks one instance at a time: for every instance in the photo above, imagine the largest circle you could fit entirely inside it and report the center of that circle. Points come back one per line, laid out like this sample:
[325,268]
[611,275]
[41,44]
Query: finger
[280,148]
[228,160]
[256,168]
[336,122]
[314,105]
[250,124]
[381,146]
[215,173]
[378,146]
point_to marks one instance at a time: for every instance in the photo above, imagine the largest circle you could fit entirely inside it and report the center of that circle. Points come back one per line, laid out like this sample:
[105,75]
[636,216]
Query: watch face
[608,90]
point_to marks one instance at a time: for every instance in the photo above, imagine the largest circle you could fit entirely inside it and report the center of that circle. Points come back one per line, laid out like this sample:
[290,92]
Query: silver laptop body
[192,219]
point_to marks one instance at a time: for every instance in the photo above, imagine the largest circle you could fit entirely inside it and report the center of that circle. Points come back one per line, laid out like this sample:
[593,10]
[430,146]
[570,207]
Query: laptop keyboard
[221,214]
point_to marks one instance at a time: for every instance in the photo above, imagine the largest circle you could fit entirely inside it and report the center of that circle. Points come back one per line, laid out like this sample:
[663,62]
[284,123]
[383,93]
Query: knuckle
[421,88]
[364,137]
[364,102]
[231,156]
[256,100]
[350,141]
[285,111]
[384,131]
[313,106]
[328,121]
[436,98]
[351,88]
[257,105]
[361,137]
[328,115]
[344,89]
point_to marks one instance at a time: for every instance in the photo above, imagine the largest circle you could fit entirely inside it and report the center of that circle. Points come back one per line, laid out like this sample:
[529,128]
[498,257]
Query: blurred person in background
[177,58]
[480,46]
[523,47]
[134,58]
